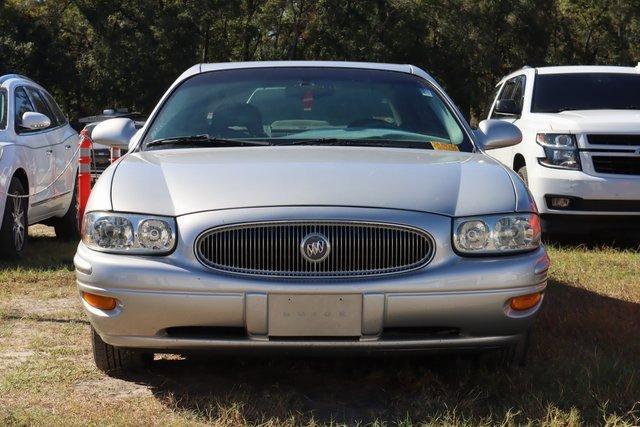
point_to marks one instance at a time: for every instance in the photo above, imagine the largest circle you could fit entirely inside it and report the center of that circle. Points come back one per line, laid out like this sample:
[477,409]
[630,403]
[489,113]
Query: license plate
[315,315]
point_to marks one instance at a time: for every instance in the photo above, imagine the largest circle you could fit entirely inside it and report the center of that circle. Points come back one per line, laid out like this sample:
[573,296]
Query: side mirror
[494,134]
[114,132]
[35,121]
[507,107]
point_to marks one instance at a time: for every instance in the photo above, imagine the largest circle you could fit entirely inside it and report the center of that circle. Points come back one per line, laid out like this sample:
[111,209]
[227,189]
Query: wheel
[68,227]
[13,230]
[113,360]
[523,174]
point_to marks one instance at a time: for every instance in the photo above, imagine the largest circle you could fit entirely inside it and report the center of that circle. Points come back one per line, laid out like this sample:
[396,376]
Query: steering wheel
[371,122]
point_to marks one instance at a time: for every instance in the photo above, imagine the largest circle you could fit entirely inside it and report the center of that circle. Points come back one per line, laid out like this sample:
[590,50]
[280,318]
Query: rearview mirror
[114,132]
[507,107]
[494,134]
[35,121]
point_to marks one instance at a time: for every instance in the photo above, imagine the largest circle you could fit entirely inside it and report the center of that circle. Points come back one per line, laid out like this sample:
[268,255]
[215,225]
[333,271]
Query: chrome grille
[619,165]
[273,249]
[600,139]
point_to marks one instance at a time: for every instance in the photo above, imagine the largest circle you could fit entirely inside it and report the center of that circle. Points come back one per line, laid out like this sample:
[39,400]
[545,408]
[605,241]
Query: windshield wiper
[324,141]
[364,142]
[340,141]
[204,140]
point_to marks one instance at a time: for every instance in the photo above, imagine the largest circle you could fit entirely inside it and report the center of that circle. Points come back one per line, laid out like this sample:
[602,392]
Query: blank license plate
[315,315]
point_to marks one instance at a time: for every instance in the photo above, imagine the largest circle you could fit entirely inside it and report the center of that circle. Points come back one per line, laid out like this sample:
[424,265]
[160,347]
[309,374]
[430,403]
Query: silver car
[313,206]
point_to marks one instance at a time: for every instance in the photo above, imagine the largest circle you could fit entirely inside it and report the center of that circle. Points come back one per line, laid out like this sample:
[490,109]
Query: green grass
[584,365]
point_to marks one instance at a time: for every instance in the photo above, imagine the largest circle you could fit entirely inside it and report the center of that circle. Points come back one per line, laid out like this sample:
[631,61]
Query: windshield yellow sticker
[444,146]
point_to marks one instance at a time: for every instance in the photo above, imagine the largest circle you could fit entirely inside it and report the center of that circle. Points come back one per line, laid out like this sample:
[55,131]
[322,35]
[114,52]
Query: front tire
[13,230]
[117,361]
[68,227]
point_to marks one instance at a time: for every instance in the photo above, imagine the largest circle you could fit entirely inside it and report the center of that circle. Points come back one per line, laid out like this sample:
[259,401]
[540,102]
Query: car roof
[10,80]
[333,64]
[588,69]
[403,68]
[8,77]
[571,69]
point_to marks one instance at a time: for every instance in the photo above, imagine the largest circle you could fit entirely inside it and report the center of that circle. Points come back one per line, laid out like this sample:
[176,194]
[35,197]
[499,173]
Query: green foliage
[94,54]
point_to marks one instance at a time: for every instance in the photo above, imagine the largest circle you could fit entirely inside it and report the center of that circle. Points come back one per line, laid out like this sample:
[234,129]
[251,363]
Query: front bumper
[615,195]
[453,303]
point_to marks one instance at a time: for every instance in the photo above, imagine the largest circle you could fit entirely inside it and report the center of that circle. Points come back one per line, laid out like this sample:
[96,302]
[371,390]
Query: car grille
[275,249]
[621,165]
[614,139]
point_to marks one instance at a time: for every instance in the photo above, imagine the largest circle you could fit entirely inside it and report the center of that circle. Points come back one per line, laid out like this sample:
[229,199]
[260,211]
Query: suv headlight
[560,150]
[496,234]
[129,233]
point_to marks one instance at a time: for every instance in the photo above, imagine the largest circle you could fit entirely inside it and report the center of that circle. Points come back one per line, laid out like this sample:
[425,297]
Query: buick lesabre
[308,206]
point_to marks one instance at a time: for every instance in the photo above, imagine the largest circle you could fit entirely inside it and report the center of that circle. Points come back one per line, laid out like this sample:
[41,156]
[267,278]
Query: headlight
[128,233]
[561,150]
[496,234]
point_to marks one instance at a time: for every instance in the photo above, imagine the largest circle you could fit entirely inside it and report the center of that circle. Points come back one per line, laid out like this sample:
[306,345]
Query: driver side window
[22,105]
[513,90]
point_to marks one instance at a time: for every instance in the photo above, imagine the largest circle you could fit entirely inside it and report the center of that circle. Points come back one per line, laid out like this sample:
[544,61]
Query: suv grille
[614,139]
[622,165]
[276,249]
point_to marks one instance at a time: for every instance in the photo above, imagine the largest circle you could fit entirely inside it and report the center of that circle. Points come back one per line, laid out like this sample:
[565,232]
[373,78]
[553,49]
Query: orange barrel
[84,173]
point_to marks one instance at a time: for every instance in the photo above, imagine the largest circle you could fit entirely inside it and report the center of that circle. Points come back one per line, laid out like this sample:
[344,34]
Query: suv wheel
[113,360]
[13,230]
[68,227]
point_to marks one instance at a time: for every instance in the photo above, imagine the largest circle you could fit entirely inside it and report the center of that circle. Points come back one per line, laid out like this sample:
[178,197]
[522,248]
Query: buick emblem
[315,247]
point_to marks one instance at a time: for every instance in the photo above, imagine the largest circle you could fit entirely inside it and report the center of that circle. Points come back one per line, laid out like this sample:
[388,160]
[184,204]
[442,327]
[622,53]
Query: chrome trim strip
[57,196]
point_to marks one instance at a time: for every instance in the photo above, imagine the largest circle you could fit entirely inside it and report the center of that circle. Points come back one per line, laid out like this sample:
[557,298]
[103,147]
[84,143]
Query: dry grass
[584,365]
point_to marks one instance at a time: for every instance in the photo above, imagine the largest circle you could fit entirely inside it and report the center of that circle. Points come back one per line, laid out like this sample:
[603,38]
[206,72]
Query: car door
[65,145]
[514,90]
[40,163]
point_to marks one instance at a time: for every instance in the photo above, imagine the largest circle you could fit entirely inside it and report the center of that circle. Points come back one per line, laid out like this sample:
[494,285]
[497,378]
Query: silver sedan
[308,205]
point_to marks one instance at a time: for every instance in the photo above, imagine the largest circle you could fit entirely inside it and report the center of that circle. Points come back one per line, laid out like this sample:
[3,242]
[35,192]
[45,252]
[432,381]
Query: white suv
[580,152]
[38,164]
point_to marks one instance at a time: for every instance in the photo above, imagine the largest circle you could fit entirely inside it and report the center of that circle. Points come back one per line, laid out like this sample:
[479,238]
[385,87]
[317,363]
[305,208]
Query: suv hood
[181,181]
[613,121]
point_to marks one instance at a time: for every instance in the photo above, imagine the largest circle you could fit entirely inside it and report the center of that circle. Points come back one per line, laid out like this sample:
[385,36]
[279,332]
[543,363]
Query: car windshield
[553,93]
[287,105]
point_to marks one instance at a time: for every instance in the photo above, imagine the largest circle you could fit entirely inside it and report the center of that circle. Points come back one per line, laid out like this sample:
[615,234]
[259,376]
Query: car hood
[614,121]
[181,181]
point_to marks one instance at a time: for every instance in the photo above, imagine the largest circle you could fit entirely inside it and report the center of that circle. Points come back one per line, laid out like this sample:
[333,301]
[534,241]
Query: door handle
[67,147]
[49,152]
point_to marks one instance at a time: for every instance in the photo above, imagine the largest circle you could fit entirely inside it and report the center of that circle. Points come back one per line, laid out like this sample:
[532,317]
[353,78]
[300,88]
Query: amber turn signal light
[99,301]
[525,302]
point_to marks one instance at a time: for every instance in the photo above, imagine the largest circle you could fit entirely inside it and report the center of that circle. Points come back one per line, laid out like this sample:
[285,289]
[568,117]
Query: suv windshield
[307,105]
[553,93]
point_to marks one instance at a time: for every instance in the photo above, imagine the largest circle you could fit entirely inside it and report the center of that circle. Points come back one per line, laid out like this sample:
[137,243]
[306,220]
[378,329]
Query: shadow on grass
[44,252]
[593,242]
[584,355]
